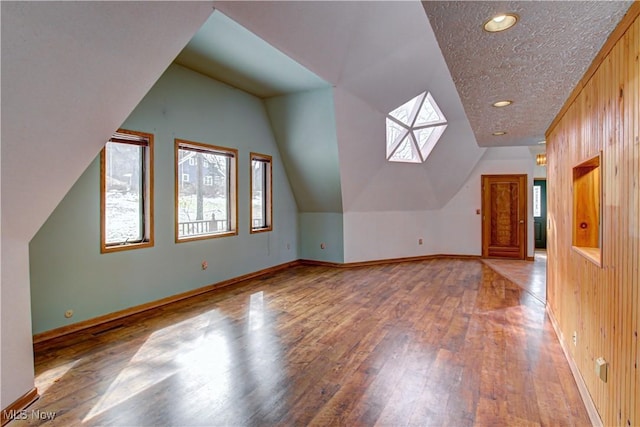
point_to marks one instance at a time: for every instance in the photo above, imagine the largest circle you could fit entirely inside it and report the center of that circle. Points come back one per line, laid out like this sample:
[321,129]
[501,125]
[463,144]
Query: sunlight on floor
[51,376]
[167,352]
[256,311]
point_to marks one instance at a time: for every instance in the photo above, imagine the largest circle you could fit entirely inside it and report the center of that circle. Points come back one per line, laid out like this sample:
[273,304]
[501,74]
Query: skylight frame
[406,132]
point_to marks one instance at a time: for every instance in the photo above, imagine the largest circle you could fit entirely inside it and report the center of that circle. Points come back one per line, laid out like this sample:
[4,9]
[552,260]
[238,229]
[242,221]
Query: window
[537,201]
[185,177]
[126,191]
[260,178]
[413,129]
[587,205]
[205,210]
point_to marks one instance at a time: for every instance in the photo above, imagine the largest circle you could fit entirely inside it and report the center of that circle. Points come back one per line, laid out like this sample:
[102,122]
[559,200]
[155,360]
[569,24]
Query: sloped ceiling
[68,80]
[224,50]
[377,55]
[380,54]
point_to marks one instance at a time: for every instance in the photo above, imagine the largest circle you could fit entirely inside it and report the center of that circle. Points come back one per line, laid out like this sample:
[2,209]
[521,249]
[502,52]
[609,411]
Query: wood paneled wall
[601,303]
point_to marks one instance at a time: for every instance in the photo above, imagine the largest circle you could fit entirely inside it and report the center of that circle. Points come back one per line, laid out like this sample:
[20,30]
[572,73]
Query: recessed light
[542,142]
[500,22]
[499,133]
[502,103]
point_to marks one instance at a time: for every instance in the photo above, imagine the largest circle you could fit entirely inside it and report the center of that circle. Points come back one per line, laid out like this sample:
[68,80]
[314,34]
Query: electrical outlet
[68,313]
[419,241]
[205,265]
[574,338]
[602,368]
[322,246]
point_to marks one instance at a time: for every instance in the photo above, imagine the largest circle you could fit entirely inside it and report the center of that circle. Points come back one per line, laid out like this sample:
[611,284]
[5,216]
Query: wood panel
[600,303]
[422,343]
[586,206]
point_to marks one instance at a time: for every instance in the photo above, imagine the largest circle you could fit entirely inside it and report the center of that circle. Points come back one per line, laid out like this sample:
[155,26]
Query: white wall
[387,235]
[455,229]
[460,226]
[61,99]
[370,183]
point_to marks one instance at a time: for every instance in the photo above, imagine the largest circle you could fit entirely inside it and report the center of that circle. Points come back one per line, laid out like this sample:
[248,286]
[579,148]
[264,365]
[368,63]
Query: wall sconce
[541,159]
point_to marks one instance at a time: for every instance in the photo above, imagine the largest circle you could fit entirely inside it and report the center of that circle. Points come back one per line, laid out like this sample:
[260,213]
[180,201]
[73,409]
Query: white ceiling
[68,81]
[379,53]
[376,54]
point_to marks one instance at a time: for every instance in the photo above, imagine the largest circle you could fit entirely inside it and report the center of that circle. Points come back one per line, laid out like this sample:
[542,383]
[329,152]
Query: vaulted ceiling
[375,55]
[380,51]
[378,55]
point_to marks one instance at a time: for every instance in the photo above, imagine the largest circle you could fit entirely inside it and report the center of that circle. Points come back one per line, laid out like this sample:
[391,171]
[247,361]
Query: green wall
[317,228]
[66,266]
[304,125]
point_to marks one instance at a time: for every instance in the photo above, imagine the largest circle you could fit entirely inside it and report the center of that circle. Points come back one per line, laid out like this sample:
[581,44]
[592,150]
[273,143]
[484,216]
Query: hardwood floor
[530,276]
[432,343]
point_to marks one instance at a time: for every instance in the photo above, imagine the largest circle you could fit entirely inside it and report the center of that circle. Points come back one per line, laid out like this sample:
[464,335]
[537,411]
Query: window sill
[125,247]
[206,236]
[592,254]
[260,230]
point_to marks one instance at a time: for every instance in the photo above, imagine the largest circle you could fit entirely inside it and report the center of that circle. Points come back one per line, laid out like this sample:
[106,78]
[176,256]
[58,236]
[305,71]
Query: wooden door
[540,213]
[504,216]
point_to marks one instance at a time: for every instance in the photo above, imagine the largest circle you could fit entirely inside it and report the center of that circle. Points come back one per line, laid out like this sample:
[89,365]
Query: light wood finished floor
[431,343]
[530,276]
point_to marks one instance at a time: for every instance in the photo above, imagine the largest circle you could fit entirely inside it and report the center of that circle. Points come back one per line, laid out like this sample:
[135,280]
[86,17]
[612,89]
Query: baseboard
[16,408]
[582,387]
[43,337]
[385,261]
[96,321]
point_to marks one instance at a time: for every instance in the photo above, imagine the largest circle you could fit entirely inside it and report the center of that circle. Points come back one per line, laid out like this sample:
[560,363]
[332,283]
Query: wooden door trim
[523,187]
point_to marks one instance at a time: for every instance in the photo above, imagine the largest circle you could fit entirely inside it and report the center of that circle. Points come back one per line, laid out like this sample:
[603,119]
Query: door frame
[523,222]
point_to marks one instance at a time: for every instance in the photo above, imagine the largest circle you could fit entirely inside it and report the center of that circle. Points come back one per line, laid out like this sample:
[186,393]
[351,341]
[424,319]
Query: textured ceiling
[536,64]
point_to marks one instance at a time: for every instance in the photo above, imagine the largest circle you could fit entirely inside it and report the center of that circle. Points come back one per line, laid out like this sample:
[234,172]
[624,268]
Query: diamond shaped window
[413,129]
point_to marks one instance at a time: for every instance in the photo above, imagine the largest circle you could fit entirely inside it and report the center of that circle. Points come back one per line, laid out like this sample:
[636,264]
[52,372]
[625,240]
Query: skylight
[413,129]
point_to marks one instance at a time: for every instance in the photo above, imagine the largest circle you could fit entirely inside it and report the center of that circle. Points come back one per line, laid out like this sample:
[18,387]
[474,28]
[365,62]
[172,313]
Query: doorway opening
[540,212]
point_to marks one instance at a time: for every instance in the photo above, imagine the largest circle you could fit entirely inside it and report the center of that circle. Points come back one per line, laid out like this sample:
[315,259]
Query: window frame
[267,198]
[232,215]
[147,193]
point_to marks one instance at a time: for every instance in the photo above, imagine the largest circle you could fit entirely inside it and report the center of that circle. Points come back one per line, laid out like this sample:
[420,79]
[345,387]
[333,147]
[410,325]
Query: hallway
[530,276]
